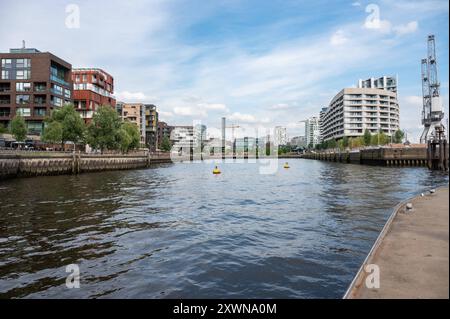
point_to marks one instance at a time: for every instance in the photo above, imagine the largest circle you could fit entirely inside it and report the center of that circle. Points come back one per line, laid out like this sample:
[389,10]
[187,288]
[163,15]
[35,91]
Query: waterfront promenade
[413,254]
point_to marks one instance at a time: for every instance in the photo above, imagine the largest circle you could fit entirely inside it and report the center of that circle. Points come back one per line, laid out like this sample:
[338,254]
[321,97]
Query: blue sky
[259,63]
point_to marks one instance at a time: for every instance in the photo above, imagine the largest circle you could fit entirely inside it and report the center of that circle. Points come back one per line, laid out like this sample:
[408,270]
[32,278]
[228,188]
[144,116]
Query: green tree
[102,133]
[133,130]
[53,132]
[124,140]
[3,129]
[398,136]
[19,128]
[367,137]
[72,125]
[332,143]
[383,139]
[166,145]
[345,141]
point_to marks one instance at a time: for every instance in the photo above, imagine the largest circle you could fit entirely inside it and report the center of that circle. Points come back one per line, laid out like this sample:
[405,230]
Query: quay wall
[23,165]
[416,156]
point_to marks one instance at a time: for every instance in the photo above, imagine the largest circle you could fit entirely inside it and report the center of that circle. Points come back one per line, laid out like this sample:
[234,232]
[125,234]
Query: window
[6,63]
[77,78]
[23,63]
[22,99]
[23,74]
[23,111]
[56,101]
[5,75]
[57,89]
[84,78]
[67,93]
[23,87]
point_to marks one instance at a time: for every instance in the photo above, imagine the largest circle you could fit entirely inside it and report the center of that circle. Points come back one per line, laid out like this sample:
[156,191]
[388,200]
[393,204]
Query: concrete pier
[412,252]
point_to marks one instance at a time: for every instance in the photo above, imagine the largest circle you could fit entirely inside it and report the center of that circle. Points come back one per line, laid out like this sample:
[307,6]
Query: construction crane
[432,112]
[233,126]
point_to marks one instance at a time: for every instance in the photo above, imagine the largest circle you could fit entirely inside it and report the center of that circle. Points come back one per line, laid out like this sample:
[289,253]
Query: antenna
[23,44]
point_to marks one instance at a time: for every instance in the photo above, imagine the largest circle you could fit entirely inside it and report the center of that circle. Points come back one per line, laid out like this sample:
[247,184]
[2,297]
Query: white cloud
[247,118]
[164,115]
[403,29]
[189,111]
[338,38]
[280,106]
[213,106]
[127,96]
[383,26]
[356,4]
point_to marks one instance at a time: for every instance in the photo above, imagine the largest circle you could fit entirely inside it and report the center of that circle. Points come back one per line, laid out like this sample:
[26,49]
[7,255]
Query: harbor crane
[432,112]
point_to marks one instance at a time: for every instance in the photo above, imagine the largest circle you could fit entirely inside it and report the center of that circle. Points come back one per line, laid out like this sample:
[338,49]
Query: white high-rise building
[280,135]
[385,83]
[353,110]
[312,131]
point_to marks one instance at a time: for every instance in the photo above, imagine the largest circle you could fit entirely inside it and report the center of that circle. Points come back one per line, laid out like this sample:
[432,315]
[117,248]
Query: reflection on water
[179,231]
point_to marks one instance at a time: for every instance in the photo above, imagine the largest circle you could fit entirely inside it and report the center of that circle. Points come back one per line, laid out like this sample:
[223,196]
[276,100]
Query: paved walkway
[413,255]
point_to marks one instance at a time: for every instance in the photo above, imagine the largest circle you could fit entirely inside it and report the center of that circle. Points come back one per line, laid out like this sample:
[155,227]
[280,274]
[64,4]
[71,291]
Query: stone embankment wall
[377,156]
[16,165]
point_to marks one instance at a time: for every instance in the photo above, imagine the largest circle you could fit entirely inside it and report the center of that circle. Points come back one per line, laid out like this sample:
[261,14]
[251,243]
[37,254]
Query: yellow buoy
[286,165]
[216,170]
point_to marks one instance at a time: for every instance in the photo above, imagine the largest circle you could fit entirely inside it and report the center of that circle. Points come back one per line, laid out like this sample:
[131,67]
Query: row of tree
[105,132]
[367,139]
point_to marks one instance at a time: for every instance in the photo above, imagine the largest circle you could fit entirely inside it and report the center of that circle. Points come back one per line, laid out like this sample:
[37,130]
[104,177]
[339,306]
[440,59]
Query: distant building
[182,138]
[32,84]
[280,137]
[312,131]
[92,88]
[164,131]
[298,141]
[322,113]
[151,127]
[388,83]
[133,113]
[353,110]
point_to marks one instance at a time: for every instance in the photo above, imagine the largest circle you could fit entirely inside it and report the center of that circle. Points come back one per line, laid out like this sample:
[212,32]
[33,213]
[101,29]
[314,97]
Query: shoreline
[408,266]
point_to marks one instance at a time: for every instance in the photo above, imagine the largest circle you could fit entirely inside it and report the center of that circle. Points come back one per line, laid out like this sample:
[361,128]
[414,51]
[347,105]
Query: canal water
[177,230]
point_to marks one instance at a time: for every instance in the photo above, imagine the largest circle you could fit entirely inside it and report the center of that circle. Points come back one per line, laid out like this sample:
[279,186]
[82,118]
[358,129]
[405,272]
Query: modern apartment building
[92,88]
[151,127]
[134,113]
[388,83]
[32,83]
[312,131]
[280,135]
[353,110]
[164,130]
[298,141]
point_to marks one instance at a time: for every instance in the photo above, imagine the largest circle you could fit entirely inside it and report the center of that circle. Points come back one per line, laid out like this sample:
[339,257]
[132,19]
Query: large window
[67,93]
[57,89]
[6,63]
[5,75]
[23,63]
[56,101]
[23,87]
[22,99]
[23,74]
[23,111]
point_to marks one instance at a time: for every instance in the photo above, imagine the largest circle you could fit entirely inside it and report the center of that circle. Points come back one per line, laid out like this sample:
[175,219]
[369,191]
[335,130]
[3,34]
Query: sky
[259,63]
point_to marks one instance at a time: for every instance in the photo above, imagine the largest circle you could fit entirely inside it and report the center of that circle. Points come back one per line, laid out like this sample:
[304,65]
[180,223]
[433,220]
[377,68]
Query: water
[180,231]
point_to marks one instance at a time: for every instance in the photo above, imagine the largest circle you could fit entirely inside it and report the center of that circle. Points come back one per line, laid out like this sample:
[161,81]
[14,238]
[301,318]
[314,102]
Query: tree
[166,145]
[102,133]
[19,128]
[72,125]
[3,129]
[345,141]
[53,132]
[332,143]
[133,131]
[367,137]
[383,139]
[124,139]
[398,136]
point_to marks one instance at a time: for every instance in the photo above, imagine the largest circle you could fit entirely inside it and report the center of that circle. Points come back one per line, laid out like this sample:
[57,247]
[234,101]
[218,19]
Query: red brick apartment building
[92,88]
[32,83]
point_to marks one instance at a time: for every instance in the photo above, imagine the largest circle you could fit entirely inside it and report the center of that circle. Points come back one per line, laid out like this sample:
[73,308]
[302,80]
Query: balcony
[58,80]
[5,113]
[40,112]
